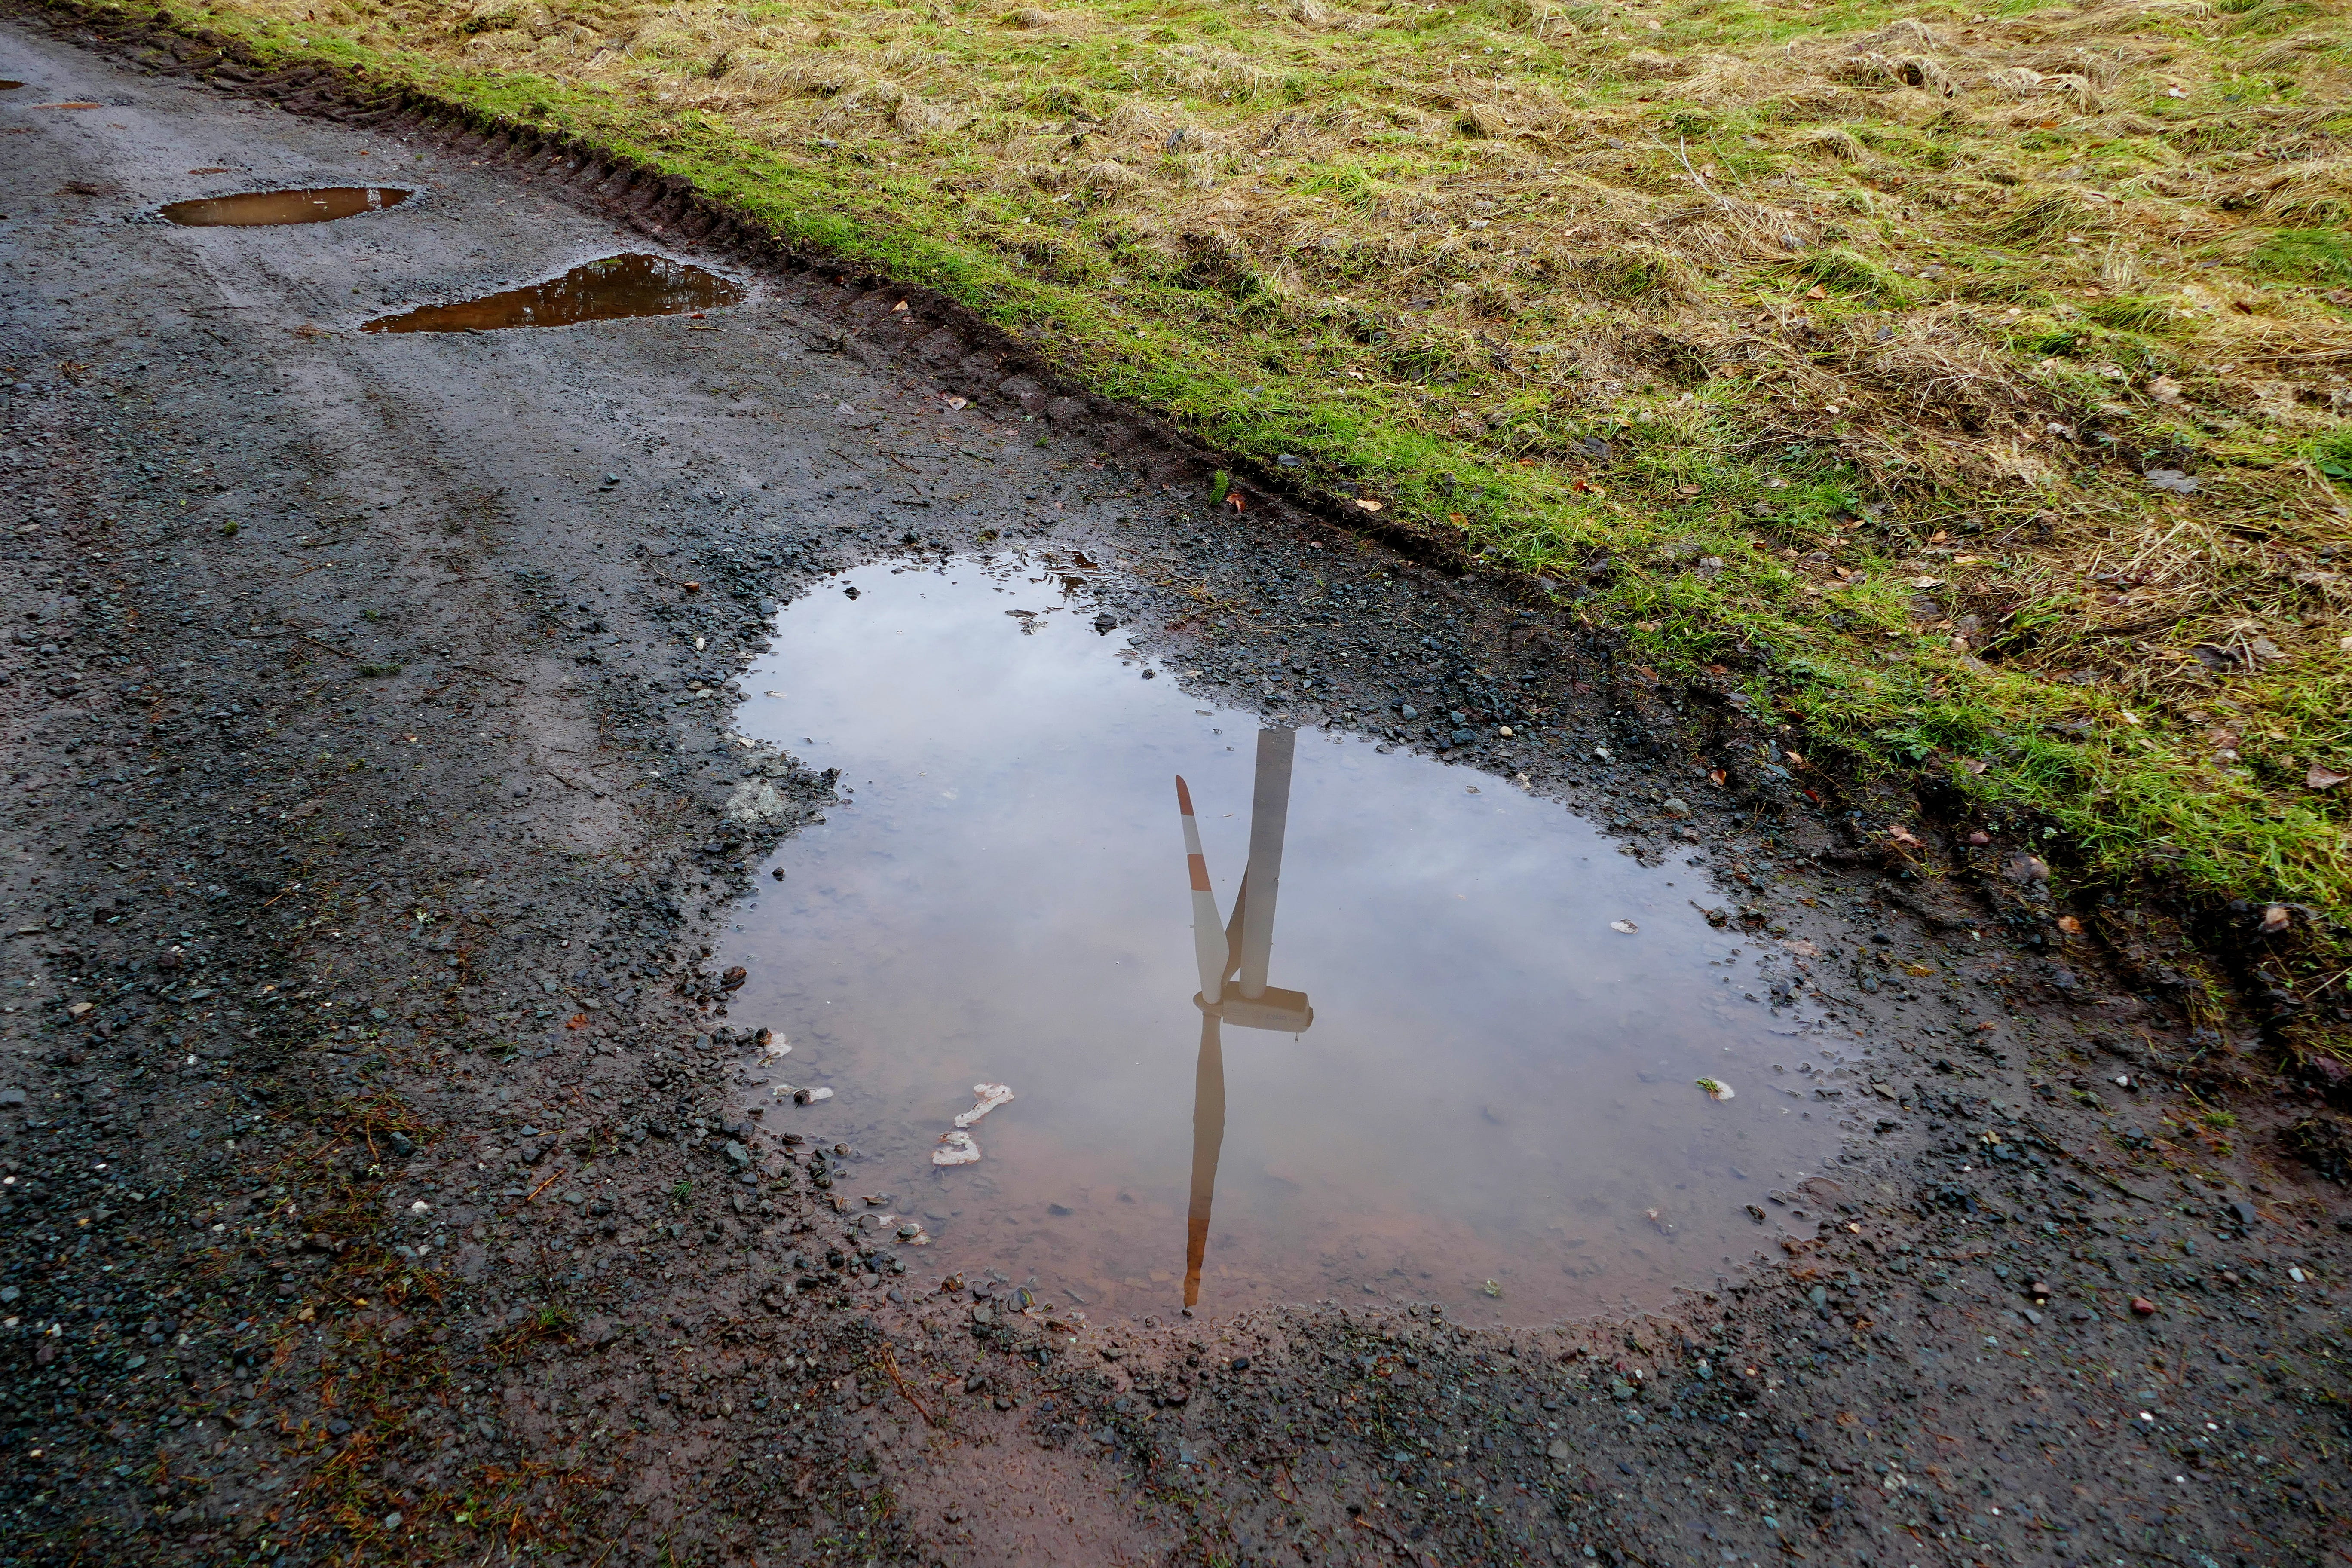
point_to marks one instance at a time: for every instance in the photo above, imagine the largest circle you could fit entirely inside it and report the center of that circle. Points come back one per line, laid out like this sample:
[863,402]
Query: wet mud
[615,289]
[375,1087]
[271,209]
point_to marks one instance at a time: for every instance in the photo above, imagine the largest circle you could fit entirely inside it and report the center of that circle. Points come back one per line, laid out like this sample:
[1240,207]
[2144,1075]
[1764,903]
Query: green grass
[2306,256]
[1654,283]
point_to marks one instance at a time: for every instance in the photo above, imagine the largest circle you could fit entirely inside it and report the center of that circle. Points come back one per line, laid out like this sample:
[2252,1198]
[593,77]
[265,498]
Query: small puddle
[1436,1068]
[611,289]
[264,209]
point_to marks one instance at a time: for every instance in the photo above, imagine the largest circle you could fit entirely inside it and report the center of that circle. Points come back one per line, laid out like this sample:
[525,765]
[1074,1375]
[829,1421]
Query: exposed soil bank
[372,1186]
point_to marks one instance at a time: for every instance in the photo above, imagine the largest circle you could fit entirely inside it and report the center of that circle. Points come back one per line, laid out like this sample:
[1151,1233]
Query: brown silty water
[616,287]
[272,209]
[1448,1049]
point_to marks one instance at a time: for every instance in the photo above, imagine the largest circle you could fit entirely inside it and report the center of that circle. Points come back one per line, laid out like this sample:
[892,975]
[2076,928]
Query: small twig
[616,1538]
[890,1365]
[330,648]
[2051,1141]
[541,1188]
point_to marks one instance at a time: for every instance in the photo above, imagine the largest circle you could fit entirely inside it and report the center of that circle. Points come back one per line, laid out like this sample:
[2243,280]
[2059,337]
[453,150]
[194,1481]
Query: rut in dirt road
[390,784]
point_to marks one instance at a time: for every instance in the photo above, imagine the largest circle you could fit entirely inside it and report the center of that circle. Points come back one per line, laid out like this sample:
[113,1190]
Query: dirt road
[374,1188]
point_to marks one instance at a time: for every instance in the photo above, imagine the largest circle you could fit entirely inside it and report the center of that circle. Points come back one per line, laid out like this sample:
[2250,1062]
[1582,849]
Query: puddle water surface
[265,209]
[1436,1068]
[611,289]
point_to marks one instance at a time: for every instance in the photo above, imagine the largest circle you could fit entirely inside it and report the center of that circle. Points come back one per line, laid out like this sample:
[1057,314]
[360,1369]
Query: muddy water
[1490,1095]
[267,209]
[611,290]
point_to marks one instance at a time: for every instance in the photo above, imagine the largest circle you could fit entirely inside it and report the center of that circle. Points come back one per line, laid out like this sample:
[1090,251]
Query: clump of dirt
[2324,1143]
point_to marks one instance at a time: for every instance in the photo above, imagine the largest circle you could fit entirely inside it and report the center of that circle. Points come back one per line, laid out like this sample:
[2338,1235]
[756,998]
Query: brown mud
[271,209]
[613,288]
[376,1184]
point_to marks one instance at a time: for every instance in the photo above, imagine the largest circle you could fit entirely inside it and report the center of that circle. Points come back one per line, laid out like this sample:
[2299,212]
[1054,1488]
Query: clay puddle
[1456,1072]
[267,209]
[613,288]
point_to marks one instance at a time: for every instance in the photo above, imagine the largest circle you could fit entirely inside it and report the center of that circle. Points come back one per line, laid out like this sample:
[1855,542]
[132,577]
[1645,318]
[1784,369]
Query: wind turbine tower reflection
[1234,957]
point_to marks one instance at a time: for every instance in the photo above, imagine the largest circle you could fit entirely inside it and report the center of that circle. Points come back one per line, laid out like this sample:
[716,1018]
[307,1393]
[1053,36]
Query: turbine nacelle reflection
[1279,1011]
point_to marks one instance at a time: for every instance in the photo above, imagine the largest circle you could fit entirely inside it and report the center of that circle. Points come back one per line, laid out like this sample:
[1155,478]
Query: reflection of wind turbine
[1233,960]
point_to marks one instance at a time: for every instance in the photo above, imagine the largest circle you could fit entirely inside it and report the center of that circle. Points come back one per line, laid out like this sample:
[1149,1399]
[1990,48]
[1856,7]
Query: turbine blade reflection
[1208,1141]
[1209,940]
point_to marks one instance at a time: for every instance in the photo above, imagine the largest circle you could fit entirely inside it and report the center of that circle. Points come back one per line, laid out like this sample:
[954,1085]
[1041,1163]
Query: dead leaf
[2070,925]
[1817,292]
[1364,503]
[1903,835]
[2164,390]
[2275,919]
[2323,778]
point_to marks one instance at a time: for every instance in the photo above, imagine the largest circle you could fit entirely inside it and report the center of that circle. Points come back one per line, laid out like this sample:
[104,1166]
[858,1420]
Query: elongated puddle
[611,290]
[1456,1081]
[267,209]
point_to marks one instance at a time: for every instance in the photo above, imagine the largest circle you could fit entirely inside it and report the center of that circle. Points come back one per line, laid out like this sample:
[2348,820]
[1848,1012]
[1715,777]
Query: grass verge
[1968,387]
